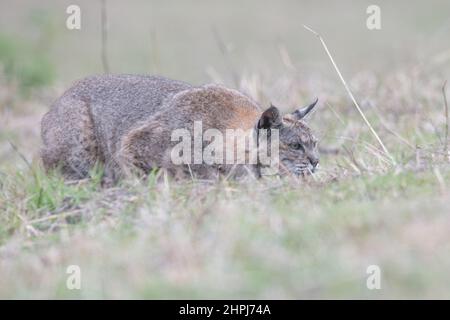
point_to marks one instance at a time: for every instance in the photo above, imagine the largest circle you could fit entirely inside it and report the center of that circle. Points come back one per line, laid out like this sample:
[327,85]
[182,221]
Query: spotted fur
[125,122]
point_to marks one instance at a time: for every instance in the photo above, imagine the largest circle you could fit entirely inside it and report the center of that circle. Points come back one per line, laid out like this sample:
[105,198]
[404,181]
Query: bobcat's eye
[296,146]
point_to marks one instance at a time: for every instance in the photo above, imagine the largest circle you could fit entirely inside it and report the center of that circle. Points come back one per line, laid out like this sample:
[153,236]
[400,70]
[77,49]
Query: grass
[24,64]
[274,238]
[269,239]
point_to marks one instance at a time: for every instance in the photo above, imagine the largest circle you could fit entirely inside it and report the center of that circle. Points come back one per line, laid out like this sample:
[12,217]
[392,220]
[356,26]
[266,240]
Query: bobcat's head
[298,153]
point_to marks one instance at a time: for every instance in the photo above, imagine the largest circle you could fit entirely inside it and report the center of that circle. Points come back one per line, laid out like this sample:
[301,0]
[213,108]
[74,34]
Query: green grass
[25,64]
[268,239]
[273,238]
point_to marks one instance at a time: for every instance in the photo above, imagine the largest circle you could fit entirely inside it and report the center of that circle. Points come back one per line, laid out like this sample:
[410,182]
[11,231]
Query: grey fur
[125,123]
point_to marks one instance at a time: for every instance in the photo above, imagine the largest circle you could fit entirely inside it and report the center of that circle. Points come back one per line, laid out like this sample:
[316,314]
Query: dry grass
[273,238]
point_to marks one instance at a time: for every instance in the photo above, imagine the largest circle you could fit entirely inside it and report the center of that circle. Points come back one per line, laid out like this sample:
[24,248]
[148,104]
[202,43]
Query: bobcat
[125,122]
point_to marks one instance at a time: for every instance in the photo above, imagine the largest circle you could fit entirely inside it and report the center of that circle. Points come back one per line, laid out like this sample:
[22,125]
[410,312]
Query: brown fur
[125,122]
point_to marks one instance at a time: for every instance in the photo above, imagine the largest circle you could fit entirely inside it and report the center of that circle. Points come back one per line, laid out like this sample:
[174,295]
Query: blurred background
[274,239]
[197,41]
[259,47]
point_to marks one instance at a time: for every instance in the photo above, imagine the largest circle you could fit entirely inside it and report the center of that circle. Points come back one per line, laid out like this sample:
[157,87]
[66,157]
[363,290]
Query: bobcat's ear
[302,112]
[270,118]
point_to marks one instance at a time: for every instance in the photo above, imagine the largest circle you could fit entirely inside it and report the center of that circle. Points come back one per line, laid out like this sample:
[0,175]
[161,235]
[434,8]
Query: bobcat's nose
[314,161]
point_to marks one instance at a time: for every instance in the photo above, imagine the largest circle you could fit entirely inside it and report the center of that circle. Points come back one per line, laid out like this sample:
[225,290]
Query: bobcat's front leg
[144,148]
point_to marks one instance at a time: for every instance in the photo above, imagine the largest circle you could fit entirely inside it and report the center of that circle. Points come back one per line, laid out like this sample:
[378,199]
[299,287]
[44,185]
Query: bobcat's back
[86,123]
[126,121]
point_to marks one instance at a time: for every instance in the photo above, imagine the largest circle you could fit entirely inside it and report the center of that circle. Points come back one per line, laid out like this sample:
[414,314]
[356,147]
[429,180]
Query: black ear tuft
[302,112]
[270,118]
